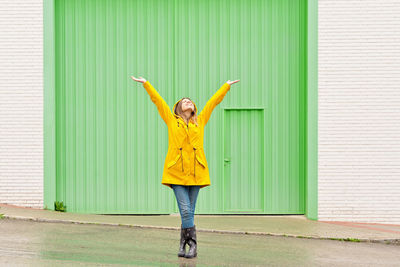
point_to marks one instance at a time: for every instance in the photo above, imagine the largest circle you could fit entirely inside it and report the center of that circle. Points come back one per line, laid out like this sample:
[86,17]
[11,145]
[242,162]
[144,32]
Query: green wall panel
[111,142]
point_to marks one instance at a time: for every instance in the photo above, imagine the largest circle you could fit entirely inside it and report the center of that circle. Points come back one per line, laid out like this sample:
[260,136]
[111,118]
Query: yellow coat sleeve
[213,102]
[162,106]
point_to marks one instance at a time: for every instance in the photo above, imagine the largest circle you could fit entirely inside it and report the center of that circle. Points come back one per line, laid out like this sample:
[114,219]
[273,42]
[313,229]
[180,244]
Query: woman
[185,166]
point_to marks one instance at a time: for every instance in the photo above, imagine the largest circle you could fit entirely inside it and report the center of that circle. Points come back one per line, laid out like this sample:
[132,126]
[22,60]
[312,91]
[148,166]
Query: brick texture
[21,102]
[359,111]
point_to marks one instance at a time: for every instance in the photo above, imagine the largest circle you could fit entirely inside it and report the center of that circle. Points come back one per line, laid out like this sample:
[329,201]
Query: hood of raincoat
[175,105]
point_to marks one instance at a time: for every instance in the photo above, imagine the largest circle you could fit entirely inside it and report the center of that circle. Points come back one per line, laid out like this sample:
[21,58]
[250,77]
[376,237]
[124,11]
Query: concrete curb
[394,241]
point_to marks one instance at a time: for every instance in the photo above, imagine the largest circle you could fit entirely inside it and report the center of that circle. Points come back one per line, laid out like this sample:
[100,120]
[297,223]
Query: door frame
[49,108]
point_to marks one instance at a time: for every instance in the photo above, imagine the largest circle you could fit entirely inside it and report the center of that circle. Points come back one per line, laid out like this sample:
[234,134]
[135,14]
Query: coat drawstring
[194,149]
[181,158]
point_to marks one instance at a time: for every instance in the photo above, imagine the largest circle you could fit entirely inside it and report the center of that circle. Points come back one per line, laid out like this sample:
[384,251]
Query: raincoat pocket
[199,160]
[173,162]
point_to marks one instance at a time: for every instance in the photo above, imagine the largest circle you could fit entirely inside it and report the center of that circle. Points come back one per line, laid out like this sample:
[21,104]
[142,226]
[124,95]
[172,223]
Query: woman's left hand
[232,82]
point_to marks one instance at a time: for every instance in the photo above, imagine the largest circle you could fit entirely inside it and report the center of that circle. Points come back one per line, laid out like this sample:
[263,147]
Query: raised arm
[213,102]
[162,106]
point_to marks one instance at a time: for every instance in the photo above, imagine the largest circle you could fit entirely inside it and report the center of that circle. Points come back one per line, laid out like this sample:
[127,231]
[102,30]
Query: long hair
[193,115]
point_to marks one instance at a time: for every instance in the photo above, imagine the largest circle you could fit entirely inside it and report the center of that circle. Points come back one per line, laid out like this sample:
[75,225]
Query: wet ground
[65,244]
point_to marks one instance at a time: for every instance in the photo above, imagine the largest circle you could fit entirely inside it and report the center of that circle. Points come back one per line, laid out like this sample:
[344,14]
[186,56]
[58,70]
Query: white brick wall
[359,110]
[21,102]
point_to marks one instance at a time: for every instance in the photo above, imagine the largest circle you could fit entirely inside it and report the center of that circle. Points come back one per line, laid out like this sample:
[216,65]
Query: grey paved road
[62,244]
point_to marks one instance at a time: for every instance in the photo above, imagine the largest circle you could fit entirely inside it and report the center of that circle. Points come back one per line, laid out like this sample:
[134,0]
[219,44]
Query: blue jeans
[186,196]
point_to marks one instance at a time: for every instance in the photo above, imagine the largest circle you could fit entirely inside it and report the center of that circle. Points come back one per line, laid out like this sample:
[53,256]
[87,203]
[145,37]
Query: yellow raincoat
[185,163]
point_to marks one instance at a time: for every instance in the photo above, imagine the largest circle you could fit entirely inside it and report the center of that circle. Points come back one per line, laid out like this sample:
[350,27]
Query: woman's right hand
[140,79]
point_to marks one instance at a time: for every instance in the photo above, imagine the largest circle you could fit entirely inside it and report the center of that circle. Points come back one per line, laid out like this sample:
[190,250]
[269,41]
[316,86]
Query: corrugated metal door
[111,142]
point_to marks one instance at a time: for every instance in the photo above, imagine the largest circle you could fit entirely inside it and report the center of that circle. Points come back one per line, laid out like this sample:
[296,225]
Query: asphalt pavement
[34,243]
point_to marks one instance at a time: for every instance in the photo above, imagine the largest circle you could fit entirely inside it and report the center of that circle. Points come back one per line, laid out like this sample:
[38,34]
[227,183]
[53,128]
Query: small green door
[243,161]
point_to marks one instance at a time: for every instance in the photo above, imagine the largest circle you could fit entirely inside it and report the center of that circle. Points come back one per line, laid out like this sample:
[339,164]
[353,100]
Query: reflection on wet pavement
[47,244]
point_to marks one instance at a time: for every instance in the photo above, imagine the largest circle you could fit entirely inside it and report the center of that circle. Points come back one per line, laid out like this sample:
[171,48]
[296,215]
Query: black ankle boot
[191,239]
[182,244]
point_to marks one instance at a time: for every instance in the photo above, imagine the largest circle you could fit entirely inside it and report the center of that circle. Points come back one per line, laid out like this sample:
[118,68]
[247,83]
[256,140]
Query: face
[187,105]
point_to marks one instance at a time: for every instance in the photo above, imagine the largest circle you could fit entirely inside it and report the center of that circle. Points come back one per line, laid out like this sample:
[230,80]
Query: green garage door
[111,142]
